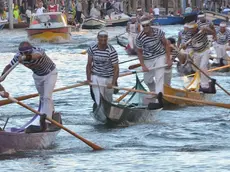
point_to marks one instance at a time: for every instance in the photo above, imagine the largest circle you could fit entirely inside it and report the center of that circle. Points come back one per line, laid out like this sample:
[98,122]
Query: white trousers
[220,51]
[45,86]
[132,40]
[201,59]
[97,90]
[157,74]
[168,76]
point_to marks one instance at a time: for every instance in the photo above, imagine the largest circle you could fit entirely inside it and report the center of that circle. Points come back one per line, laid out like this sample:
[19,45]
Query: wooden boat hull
[117,115]
[17,25]
[13,142]
[93,23]
[50,34]
[182,93]
[112,23]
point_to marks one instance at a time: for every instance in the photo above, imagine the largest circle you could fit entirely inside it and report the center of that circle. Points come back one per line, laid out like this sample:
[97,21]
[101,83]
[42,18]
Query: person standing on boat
[203,22]
[156,11]
[102,67]
[132,29]
[188,9]
[182,35]
[222,42]
[4,93]
[78,11]
[201,52]
[44,73]
[152,49]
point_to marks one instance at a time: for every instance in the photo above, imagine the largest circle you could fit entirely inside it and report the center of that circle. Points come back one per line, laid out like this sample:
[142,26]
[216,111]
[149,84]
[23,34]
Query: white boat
[49,27]
[116,19]
[93,23]
[2,23]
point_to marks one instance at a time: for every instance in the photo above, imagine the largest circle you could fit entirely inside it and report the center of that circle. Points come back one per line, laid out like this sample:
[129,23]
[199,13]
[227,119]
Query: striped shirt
[103,60]
[174,54]
[199,41]
[41,66]
[204,24]
[152,46]
[182,35]
[222,38]
[188,36]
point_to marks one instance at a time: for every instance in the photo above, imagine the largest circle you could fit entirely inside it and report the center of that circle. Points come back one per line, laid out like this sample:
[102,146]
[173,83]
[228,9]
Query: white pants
[220,52]
[201,59]
[168,76]
[158,74]
[132,40]
[45,86]
[97,90]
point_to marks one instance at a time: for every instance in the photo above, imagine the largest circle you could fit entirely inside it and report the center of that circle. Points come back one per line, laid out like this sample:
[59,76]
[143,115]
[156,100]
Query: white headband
[223,25]
[139,9]
[186,25]
[201,15]
[102,33]
[146,22]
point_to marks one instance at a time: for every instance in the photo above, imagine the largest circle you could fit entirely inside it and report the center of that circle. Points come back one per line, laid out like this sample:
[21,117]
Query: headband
[102,33]
[146,22]
[201,15]
[223,25]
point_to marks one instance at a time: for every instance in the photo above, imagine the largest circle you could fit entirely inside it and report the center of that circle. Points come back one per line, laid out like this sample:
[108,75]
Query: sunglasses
[145,25]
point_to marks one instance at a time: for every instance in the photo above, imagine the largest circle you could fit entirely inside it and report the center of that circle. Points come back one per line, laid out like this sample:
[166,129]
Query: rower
[152,49]
[181,35]
[222,41]
[4,93]
[200,47]
[132,29]
[102,67]
[44,73]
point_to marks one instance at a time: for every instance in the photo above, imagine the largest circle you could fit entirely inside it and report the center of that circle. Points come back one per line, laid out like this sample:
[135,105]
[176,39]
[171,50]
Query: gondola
[133,111]
[29,136]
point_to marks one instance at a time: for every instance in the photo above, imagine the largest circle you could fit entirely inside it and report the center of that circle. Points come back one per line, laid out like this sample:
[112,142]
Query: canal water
[185,139]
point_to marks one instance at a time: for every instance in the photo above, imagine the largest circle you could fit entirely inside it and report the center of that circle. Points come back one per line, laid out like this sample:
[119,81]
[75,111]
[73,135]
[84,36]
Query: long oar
[8,101]
[92,145]
[134,66]
[128,60]
[207,75]
[8,71]
[212,70]
[223,105]
[124,95]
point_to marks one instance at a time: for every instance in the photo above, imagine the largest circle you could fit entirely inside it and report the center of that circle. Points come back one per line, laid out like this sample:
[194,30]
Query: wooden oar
[124,95]
[207,75]
[92,145]
[8,71]
[8,101]
[128,60]
[223,105]
[134,66]
[212,70]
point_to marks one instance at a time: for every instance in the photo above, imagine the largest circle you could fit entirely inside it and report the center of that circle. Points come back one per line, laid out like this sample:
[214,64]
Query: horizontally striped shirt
[204,24]
[103,60]
[182,35]
[152,46]
[222,38]
[41,66]
[188,36]
[199,41]
[174,54]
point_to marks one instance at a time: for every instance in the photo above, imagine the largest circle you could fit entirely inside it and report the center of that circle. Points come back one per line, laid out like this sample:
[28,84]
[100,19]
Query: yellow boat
[191,91]
[49,27]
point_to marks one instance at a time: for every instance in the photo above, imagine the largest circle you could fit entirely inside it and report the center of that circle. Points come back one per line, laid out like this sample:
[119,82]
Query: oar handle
[8,71]
[92,145]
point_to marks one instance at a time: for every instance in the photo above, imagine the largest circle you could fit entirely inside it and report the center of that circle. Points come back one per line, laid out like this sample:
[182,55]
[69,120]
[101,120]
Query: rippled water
[185,139]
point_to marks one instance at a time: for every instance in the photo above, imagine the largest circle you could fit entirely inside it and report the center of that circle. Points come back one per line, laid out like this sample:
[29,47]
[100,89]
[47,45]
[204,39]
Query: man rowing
[222,41]
[201,52]
[132,29]
[182,35]
[152,51]
[44,73]
[102,67]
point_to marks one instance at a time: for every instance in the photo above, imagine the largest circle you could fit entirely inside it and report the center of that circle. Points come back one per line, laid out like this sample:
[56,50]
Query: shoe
[211,89]
[152,106]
